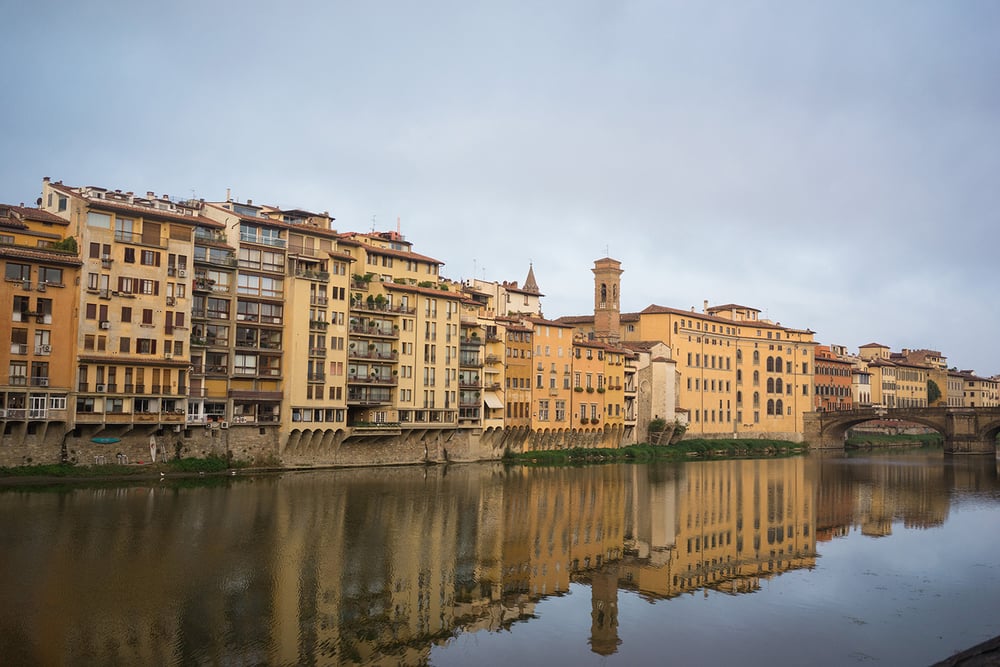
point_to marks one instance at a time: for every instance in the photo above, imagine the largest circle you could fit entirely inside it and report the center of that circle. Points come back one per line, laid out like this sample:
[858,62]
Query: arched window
[779,408]
[756,356]
[770,384]
[777,385]
[756,378]
[604,293]
[770,364]
[739,375]
[739,398]
[770,406]
[778,365]
[739,356]
[756,399]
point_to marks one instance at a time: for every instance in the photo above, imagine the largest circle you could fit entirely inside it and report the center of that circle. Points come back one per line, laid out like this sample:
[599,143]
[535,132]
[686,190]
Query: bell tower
[607,308]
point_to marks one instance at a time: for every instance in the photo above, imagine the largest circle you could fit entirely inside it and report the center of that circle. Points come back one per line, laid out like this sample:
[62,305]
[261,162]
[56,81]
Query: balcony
[382,380]
[312,274]
[214,235]
[472,340]
[374,331]
[317,377]
[368,396]
[272,241]
[318,324]
[354,353]
[317,352]
[203,284]
[373,307]
[317,300]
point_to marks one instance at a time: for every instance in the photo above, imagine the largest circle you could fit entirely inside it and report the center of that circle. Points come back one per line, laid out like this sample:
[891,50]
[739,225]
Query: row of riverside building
[146,326]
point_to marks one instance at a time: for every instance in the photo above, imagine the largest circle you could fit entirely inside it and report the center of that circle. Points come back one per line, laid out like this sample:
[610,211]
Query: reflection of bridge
[965,430]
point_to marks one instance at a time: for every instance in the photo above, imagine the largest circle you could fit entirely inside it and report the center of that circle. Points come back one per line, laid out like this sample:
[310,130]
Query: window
[102,220]
[50,276]
[18,271]
[245,364]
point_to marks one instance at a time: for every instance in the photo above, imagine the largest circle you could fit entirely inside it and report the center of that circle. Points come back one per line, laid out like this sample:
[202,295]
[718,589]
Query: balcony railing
[372,379]
[385,332]
[381,308]
[372,354]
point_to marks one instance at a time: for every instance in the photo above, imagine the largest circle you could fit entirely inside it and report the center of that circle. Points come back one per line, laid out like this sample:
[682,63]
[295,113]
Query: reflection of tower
[604,611]
[607,310]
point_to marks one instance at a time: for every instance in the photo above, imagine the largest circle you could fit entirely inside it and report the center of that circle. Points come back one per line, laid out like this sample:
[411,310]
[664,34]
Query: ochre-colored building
[41,271]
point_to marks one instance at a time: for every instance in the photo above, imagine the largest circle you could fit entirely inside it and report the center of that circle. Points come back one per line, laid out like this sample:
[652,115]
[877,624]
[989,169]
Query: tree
[933,392]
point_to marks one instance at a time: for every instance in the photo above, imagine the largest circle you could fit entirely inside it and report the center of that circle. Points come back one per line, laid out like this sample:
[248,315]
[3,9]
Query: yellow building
[519,373]
[271,291]
[739,375]
[979,392]
[553,393]
[133,343]
[41,271]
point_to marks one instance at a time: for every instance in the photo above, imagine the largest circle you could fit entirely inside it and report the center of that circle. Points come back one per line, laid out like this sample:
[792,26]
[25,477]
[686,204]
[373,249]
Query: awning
[493,401]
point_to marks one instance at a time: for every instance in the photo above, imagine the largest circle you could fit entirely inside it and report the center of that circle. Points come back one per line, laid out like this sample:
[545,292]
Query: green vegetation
[68,244]
[933,392]
[682,451]
[210,464]
[902,440]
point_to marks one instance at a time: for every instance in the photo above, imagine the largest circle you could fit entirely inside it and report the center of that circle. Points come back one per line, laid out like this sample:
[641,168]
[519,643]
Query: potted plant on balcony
[578,389]
[590,390]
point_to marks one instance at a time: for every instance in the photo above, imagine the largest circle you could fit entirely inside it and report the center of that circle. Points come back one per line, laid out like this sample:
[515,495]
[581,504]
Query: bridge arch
[965,430]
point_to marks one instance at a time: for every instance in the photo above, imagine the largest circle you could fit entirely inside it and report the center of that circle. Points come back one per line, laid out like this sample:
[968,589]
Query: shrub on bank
[682,451]
[70,470]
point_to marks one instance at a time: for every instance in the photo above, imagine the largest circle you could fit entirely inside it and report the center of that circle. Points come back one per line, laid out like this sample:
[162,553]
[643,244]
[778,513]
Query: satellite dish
[38,202]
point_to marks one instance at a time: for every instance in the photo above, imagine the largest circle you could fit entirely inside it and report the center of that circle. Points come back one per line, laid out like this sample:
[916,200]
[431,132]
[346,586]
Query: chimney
[228,195]
[249,202]
[706,306]
[150,194]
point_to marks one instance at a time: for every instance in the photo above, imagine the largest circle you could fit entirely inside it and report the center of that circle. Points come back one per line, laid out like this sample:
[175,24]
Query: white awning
[493,401]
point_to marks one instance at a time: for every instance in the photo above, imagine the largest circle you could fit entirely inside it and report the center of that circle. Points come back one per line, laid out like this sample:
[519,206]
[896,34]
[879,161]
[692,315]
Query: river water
[887,559]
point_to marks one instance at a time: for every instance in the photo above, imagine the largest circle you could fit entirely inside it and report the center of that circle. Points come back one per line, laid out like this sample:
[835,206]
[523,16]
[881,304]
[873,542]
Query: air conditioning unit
[41,287]
[46,349]
[105,258]
[105,324]
[3,414]
[177,428]
[224,425]
[168,355]
[170,301]
[182,273]
[41,382]
[100,388]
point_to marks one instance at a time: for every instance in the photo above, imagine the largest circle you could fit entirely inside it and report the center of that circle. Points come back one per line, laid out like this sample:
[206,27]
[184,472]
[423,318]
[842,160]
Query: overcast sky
[834,165]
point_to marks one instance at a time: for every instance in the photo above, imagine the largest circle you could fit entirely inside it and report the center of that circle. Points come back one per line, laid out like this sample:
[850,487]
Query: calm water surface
[881,559]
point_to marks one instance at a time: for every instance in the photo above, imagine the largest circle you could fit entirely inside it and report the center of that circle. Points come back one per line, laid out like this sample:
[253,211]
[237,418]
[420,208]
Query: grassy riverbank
[684,450]
[879,440]
[69,471]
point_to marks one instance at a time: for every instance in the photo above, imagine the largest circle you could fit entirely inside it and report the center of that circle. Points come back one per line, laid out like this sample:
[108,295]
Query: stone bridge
[965,430]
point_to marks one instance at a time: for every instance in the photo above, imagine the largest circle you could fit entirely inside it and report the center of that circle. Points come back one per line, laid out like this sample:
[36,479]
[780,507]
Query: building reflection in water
[378,566]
